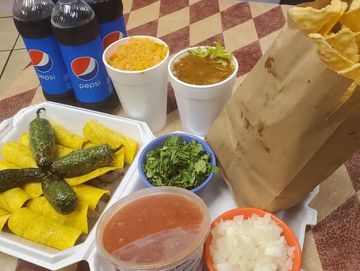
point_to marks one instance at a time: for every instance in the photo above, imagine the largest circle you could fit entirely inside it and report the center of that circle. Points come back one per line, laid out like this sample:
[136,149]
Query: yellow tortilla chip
[90,194]
[357,38]
[13,199]
[24,139]
[66,138]
[34,190]
[4,216]
[329,55]
[333,21]
[352,73]
[91,175]
[18,154]
[99,134]
[344,42]
[312,20]
[60,149]
[77,219]
[6,165]
[119,159]
[351,17]
[42,229]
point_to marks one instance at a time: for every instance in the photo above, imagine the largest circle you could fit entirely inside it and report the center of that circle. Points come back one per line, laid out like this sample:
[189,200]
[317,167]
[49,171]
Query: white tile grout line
[8,58]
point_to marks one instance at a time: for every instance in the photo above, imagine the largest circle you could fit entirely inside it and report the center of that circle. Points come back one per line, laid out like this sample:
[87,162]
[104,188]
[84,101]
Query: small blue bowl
[185,137]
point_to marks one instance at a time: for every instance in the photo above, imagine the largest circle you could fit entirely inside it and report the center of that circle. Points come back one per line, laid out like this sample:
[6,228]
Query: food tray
[73,119]
[216,195]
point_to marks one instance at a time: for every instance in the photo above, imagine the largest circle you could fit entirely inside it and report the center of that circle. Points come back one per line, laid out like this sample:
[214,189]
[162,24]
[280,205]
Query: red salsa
[153,228]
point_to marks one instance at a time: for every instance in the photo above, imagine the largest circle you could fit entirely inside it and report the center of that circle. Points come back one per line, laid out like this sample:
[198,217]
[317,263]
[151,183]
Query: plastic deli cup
[199,105]
[161,228]
[143,94]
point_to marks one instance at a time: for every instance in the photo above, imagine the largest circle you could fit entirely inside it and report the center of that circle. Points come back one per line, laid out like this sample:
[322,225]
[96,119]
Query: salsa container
[186,259]
[216,195]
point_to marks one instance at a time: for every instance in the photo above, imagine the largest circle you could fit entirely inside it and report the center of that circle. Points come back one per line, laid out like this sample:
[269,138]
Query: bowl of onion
[251,239]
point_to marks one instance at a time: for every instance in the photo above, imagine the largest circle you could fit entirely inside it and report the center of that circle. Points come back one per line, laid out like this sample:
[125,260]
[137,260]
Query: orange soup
[153,228]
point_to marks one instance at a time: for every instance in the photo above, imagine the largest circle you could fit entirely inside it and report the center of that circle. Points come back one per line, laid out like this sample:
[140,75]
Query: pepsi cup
[32,20]
[81,48]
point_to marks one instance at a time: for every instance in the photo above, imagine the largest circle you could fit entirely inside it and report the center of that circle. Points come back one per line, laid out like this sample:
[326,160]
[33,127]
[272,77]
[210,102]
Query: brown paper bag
[283,132]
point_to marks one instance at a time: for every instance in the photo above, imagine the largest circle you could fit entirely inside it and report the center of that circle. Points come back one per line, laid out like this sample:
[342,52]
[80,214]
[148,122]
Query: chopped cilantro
[178,163]
[212,52]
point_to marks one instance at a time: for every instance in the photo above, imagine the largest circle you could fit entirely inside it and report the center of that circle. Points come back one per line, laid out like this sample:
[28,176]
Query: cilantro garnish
[212,52]
[178,163]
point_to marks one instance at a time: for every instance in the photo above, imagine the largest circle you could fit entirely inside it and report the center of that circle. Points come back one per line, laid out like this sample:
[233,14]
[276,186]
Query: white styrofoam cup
[143,94]
[199,105]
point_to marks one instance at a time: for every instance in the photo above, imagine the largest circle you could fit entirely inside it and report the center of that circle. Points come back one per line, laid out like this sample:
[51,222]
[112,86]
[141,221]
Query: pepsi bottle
[32,20]
[77,31]
[111,19]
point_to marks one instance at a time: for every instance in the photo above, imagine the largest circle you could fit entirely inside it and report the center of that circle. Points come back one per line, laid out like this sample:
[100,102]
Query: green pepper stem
[39,111]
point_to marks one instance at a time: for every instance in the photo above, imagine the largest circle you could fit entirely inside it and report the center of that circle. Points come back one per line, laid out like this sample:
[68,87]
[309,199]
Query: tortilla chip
[77,219]
[329,55]
[351,17]
[18,154]
[62,150]
[119,159]
[357,38]
[24,139]
[91,175]
[66,138]
[352,73]
[6,165]
[34,190]
[333,21]
[13,199]
[312,20]
[99,134]
[344,42]
[42,229]
[90,194]
[4,216]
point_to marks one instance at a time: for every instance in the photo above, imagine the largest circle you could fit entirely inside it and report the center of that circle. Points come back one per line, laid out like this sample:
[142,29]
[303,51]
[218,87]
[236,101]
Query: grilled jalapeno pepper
[11,178]
[42,141]
[59,194]
[84,161]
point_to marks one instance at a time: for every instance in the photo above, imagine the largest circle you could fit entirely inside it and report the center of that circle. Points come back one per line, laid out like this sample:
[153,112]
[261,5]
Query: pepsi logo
[41,60]
[111,37]
[85,68]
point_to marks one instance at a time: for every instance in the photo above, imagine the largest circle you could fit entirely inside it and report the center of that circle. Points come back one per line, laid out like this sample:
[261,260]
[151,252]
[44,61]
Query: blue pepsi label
[46,58]
[88,75]
[112,31]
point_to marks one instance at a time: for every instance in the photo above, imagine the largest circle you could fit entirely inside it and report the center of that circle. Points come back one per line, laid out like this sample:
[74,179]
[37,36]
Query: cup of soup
[202,86]
[162,228]
[137,66]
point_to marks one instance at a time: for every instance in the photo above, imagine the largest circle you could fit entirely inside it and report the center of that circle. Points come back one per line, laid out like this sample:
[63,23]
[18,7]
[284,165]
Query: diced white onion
[253,244]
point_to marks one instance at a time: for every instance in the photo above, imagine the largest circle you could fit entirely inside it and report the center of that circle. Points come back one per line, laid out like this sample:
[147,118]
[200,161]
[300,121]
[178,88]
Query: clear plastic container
[178,247]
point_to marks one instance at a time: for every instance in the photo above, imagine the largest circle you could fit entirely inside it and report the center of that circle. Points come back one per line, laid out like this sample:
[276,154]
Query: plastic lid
[71,13]
[160,249]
